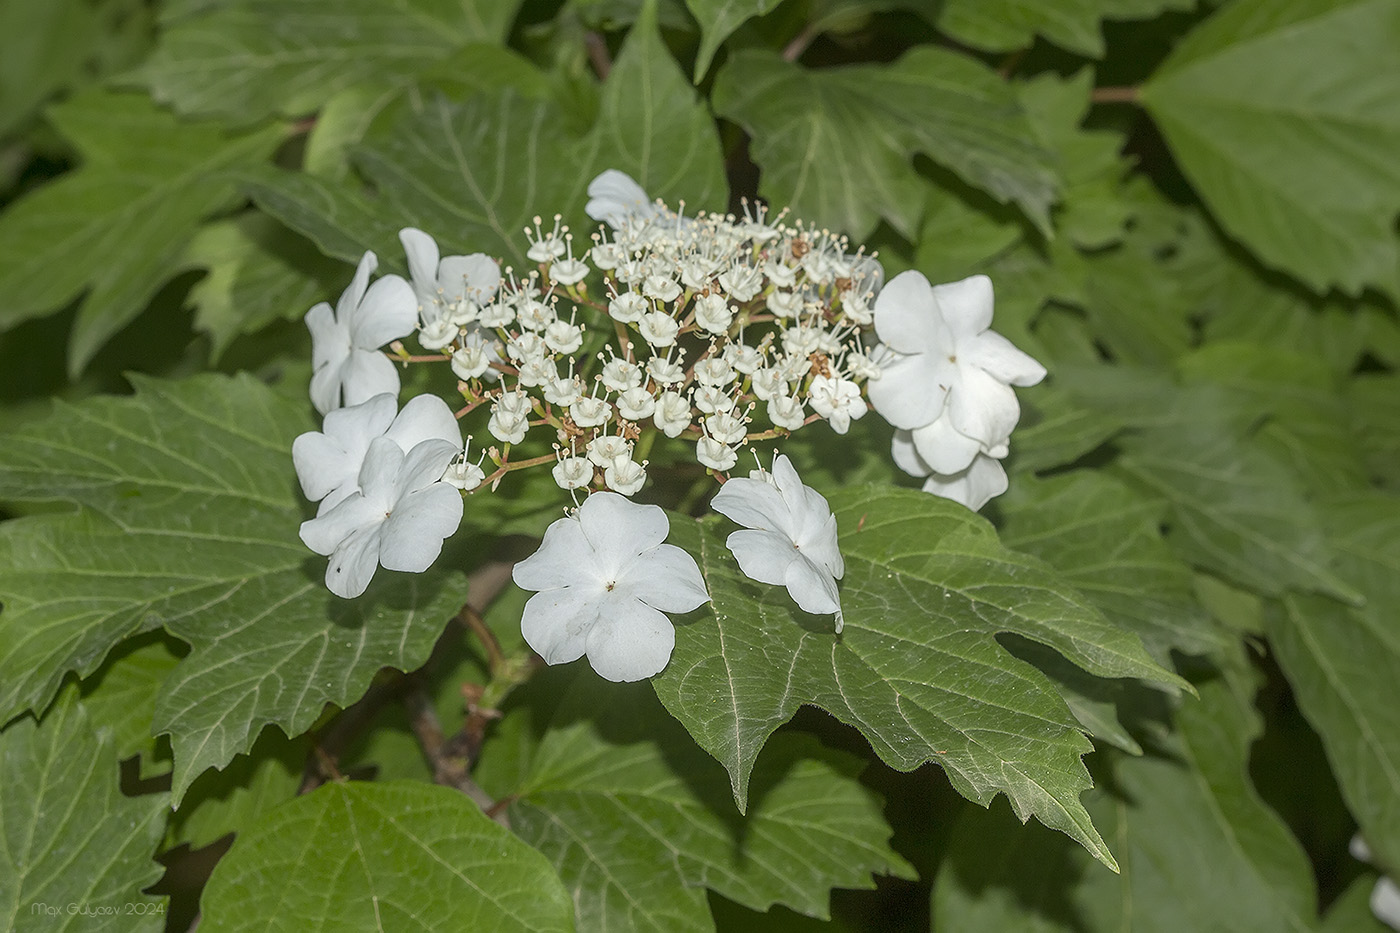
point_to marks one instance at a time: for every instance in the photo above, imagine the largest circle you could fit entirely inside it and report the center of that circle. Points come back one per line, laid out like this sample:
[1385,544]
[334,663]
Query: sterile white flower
[446,287]
[789,538]
[614,198]
[398,519]
[604,581]
[328,461]
[347,365]
[944,353]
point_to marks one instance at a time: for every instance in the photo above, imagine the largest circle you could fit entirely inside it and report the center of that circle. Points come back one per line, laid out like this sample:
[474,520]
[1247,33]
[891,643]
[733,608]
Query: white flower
[328,461]
[726,427]
[786,412]
[589,412]
[563,391]
[780,274]
[399,517]
[606,448]
[769,383]
[741,282]
[347,365]
[716,456]
[784,304]
[509,418]
[563,337]
[628,308]
[635,404]
[625,475]
[661,287]
[713,313]
[838,401]
[470,362]
[743,357]
[710,399]
[944,448]
[665,372]
[604,580]
[447,289]
[572,472]
[461,472]
[790,536]
[945,353]
[614,198]
[537,372]
[672,413]
[974,486]
[714,371]
[568,271]
[658,328]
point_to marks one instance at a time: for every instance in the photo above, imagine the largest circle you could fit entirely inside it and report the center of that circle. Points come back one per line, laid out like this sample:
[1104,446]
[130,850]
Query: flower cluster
[704,334]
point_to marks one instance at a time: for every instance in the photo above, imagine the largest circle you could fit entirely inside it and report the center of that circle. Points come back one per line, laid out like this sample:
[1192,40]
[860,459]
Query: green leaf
[234,799]
[259,273]
[68,836]
[472,173]
[1288,158]
[117,226]
[836,145]
[1003,25]
[190,521]
[1344,665]
[1199,850]
[639,821]
[246,59]
[392,856]
[1237,511]
[718,19]
[1106,539]
[1373,401]
[121,697]
[1351,911]
[917,668]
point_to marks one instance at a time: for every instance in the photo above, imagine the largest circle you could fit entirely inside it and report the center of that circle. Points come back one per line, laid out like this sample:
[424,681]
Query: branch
[598,54]
[1114,95]
[449,769]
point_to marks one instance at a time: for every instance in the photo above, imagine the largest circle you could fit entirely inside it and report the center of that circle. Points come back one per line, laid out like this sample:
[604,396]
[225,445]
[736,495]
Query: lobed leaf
[918,669]
[393,856]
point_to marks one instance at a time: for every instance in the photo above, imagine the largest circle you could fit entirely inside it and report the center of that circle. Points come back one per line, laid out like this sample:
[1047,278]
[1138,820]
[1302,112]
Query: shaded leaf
[836,145]
[190,521]
[117,226]
[1287,157]
[394,856]
[67,834]
[1003,25]
[718,19]
[639,821]
[246,59]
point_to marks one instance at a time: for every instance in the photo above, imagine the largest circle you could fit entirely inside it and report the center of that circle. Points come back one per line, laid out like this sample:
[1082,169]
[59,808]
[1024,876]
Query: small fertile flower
[462,473]
[715,455]
[838,401]
[789,538]
[604,580]
[328,461]
[398,519]
[944,354]
[347,365]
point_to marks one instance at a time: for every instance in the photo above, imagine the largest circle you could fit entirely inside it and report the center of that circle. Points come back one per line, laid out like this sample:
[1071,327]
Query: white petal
[324,533]
[754,503]
[556,622]
[665,578]
[325,387]
[422,253]
[906,316]
[323,467]
[424,465]
[906,455]
[330,340]
[614,197]
[476,277]
[631,641]
[1000,358]
[619,529]
[388,312]
[353,564]
[820,547]
[762,555]
[911,390]
[982,408]
[974,487]
[1385,903]
[966,306]
[352,296]
[811,587]
[368,373]
[564,558]
[943,447]
[412,536]
[379,475]
[425,417]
